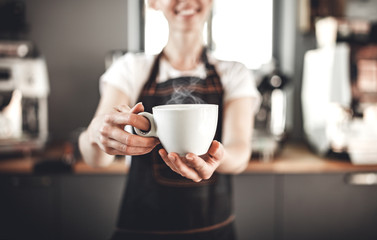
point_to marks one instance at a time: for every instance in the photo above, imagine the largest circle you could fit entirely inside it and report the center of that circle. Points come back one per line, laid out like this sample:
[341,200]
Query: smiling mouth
[187,11]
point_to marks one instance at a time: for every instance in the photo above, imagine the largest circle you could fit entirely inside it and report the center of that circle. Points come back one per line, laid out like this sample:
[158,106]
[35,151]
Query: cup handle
[152,130]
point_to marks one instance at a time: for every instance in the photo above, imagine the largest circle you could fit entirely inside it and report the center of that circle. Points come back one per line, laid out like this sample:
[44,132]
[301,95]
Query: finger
[122,108]
[215,151]
[132,119]
[203,169]
[196,162]
[183,169]
[169,162]
[133,139]
[130,152]
[139,107]
[127,138]
[105,146]
[135,109]
[136,150]
[111,151]
[116,148]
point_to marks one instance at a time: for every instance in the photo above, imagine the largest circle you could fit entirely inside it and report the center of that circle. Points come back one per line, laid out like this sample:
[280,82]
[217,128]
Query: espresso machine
[24,89]
[339,92]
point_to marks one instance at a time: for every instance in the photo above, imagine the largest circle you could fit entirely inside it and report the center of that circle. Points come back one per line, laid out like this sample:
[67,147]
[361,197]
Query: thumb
[216,150]
[139,107]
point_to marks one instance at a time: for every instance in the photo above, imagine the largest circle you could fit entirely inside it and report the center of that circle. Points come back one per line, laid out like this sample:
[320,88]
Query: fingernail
[188,157]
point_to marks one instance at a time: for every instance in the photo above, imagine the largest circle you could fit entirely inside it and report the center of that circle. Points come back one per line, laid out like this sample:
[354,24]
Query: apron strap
[149,87]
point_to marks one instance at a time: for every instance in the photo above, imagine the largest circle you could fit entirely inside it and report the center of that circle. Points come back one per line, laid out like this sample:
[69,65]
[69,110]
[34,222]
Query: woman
[168,196]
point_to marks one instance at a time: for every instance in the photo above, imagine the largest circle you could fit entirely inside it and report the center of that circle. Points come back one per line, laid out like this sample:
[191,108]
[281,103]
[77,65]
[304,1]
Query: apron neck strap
[203,56]
[155,67]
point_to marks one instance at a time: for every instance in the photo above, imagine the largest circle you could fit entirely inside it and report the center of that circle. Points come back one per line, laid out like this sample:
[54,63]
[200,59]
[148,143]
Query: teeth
[187,12]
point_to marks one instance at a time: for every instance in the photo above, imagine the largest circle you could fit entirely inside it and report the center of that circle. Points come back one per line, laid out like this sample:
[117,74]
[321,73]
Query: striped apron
[161,204]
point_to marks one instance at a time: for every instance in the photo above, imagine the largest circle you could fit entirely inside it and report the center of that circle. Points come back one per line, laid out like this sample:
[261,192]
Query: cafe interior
[312,173]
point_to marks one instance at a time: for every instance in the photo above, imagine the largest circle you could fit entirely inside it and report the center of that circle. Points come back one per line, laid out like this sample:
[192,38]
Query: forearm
[91,152]
[236,158]
[237,134]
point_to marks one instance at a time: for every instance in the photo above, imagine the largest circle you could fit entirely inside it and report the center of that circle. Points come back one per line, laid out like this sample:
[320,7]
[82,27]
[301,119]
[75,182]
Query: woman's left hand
[195,167]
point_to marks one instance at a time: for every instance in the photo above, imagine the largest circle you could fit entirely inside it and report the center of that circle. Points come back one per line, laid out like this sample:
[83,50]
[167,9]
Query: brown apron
[159,203]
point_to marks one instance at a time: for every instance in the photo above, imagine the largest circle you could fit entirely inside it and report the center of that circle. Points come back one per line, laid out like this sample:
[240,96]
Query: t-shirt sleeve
[239,82]
[121,75]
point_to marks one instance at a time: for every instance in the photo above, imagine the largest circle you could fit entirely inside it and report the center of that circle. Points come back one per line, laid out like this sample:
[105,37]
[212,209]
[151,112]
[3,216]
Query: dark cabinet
[59,206]
[327,206]
[254,196]
[89,205]
[27,207]
[267,206]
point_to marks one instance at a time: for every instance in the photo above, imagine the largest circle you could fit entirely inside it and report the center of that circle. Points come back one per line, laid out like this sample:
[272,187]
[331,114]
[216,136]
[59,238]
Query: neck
[183,51]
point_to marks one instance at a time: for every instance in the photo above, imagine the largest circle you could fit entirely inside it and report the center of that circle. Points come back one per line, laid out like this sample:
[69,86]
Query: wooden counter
[25,165]
[297,158]
[294,158]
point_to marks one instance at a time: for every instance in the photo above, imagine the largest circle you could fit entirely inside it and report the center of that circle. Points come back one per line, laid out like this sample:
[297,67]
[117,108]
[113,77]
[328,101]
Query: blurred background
[315,63]
[75,45]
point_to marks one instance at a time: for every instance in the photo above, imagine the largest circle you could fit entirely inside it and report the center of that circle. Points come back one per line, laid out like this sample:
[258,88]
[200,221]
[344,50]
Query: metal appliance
[24,88]
[270,121]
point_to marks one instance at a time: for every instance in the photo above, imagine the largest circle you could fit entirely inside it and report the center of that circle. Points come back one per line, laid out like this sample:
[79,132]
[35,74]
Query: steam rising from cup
[183,93]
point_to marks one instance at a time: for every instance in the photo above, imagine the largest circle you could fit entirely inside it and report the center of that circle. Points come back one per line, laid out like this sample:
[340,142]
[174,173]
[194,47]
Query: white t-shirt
[130,72]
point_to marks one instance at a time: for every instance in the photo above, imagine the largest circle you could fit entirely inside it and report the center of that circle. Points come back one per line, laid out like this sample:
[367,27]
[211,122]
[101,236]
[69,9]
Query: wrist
[235,159]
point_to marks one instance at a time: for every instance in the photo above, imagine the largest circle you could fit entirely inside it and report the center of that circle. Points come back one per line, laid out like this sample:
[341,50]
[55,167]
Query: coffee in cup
[183,128]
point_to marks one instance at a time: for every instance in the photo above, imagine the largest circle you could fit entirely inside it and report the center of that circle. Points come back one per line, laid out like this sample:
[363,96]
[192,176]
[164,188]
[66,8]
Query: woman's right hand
[107,131]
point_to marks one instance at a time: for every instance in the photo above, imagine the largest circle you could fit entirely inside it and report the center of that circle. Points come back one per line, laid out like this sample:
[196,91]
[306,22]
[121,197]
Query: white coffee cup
[183,128]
